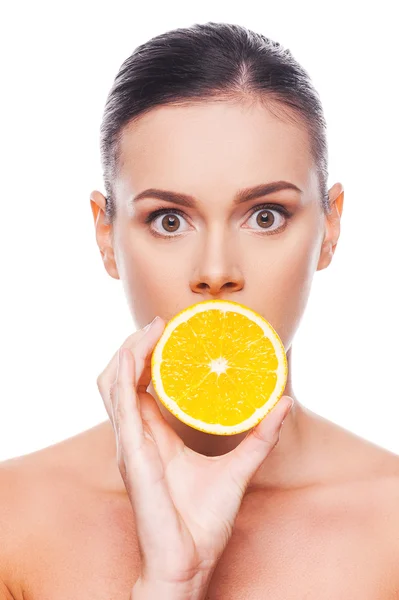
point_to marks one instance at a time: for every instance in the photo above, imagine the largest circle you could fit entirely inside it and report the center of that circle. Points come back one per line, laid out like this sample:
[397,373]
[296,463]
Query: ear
[103,233]
[333,226]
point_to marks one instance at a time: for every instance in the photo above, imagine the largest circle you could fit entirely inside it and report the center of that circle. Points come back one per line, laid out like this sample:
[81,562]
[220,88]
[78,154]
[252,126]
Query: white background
[63,317]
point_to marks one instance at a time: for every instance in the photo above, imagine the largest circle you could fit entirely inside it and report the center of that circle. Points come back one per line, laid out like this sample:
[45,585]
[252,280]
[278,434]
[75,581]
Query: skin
[323,506]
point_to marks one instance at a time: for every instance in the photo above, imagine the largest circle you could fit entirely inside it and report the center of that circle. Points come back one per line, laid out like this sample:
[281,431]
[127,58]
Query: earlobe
[326,255]
[109,262]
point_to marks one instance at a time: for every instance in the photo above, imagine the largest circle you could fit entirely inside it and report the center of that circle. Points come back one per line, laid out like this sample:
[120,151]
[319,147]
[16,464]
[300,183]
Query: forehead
[213,143]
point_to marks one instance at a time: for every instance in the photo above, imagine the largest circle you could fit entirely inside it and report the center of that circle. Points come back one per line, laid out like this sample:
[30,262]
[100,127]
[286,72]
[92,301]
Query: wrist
[154,590]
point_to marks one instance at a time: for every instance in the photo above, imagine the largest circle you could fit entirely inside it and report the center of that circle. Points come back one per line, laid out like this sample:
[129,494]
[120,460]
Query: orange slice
[219,367]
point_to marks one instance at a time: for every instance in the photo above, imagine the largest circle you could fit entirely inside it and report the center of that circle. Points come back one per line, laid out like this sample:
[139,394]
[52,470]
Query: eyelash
[166,211]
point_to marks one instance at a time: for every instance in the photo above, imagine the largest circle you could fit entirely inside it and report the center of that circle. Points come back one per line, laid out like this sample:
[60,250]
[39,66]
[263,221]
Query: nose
[217,271]
[215,286]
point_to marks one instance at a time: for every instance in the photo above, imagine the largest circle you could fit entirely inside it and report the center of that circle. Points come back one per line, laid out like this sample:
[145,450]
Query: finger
[106,381]
[149,419]
[252,451]
[125,404]
[143,470]
[111,369]
[154,423]
[137,414]
[142,352]
[108,376]
[137,377]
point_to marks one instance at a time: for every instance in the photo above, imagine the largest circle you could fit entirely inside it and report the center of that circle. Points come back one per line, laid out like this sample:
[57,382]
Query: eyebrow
[242,196]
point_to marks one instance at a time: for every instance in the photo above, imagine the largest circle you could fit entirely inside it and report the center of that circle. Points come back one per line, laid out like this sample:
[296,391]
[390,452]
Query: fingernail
[119,361]
[290,405]
[146,328]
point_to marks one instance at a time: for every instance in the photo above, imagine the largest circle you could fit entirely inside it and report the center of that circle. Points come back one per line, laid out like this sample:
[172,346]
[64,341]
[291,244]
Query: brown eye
[170,223]
[268,219]
[165,222]
[265,218]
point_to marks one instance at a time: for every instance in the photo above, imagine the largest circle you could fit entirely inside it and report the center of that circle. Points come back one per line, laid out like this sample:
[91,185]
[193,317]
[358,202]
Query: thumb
[254,449]
[143,350]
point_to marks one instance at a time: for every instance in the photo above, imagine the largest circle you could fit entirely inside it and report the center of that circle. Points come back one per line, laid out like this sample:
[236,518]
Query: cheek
[286,262]
[281,281]
[153,278]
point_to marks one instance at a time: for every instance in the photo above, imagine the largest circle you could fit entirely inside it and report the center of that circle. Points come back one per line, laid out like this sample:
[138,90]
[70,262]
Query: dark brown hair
[210,62]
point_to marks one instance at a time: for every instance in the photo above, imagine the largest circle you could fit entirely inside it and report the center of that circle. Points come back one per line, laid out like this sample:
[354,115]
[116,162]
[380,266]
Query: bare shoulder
[370,485]
[386,492]
[387,520]
[38,494]
[368,466]
[11,528]
[356,470]
[17,501]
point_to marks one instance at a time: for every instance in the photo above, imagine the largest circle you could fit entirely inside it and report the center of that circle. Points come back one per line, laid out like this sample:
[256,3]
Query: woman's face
[217,248]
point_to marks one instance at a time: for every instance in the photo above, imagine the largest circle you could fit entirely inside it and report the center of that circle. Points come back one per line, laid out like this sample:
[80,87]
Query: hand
[185,503]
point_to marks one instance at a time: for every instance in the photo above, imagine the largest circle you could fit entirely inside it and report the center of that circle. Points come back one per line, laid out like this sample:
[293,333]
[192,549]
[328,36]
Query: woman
[215,169]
